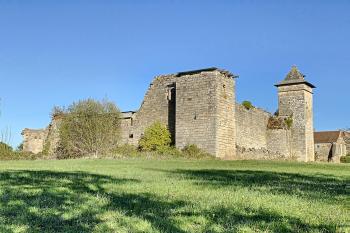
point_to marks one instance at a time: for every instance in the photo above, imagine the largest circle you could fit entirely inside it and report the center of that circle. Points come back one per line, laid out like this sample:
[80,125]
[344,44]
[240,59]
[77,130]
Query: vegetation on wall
[289,122]
[89,128]
[247,104]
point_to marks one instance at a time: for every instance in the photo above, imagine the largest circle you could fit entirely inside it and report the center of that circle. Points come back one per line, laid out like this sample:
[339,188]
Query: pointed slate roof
[294,77]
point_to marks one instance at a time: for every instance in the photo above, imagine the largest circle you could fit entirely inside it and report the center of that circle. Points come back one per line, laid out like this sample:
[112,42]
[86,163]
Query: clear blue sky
[56,52]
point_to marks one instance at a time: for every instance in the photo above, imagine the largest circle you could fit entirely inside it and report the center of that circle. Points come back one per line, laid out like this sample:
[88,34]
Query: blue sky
[56,52]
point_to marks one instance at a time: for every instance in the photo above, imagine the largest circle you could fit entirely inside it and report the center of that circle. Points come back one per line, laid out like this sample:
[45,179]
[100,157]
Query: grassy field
[173,196]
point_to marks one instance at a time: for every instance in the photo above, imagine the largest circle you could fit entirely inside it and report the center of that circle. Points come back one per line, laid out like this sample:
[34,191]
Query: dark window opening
[131,135]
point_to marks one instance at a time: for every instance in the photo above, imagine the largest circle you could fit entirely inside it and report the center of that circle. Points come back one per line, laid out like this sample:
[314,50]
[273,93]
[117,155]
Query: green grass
[173,196]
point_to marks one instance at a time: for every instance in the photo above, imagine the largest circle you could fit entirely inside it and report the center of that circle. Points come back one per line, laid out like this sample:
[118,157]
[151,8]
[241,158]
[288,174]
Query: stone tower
[205,111]
[295,102]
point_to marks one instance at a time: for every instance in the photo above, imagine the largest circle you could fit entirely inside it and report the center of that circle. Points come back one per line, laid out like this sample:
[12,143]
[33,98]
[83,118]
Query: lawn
[173,196]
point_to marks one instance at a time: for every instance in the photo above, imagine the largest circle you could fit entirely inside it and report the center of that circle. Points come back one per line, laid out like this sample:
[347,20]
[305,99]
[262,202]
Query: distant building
[330,146]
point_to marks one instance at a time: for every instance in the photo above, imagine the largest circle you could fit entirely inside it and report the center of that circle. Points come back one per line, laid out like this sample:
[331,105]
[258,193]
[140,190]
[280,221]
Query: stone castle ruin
[199,107]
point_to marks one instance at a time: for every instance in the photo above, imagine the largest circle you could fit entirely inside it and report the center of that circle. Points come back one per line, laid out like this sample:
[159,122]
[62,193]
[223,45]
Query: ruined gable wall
[53,135]
[154,108]
[198,108]
[33,140]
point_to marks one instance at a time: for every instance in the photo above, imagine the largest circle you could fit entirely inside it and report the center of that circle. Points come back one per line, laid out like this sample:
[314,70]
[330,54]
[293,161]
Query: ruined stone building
[199,107]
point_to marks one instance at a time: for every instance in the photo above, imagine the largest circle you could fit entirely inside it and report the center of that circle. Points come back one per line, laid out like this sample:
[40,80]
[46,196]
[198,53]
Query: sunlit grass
[173,196]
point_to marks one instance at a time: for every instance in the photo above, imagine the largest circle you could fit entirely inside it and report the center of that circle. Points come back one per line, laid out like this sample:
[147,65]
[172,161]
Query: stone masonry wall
[205,112]
[33,140]
[155,107]
[279,142]
[255,140]
[197,107]
[347,141]
[251,127]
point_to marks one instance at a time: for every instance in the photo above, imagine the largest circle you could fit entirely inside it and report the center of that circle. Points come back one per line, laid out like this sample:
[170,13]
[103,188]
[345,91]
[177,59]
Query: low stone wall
[258,154]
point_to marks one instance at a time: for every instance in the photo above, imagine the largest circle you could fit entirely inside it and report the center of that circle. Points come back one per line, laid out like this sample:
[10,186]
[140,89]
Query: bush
[5,148]
[345,159]
[247,104]
[89,127]
[170,151]
[156,138]
[193,151]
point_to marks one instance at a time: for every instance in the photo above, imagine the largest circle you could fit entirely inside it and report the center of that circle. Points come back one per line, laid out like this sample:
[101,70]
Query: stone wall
[53,136]
[279,142]
[34,140]
[251,127]
[347,142]
[255,140]
[329,152]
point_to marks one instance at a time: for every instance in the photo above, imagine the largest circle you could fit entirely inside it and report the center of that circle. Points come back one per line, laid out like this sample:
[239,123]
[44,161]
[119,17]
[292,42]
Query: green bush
[89,128]
[247,104]
[345,159]
[7,153]
[156,138]
[193,151]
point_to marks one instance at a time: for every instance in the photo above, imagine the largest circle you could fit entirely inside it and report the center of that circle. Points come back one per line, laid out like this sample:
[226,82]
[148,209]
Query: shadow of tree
[259,220]
[315,187]
[47,201]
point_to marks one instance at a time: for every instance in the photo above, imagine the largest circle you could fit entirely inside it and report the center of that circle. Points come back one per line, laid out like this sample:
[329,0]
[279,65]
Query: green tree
[89,127]
[156,138]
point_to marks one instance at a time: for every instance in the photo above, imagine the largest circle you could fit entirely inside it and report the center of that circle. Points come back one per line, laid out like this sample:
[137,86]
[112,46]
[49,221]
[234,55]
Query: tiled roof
[326,136]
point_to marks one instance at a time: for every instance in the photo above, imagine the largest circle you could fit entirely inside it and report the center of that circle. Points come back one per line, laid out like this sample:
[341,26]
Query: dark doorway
[172,111]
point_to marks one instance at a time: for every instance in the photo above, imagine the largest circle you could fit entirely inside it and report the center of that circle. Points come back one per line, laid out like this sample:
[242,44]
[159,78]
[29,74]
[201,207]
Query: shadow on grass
[311,186]
[47,201]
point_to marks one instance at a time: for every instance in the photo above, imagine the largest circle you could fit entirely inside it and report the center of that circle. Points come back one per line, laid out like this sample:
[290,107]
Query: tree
[89,127]
[155,138]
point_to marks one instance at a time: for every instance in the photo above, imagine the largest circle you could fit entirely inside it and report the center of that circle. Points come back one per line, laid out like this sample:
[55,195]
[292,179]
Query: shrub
[193,151]
[127,150]
[345,159]
[170,151]
[89,127]
[247,104]
[156,137]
